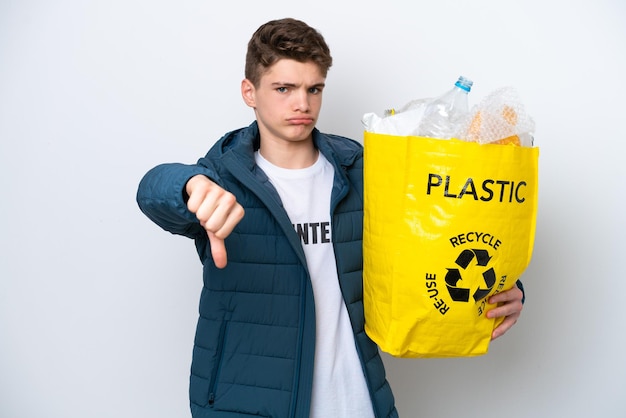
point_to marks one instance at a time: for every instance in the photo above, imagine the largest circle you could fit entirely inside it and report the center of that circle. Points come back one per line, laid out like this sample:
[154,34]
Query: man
[276,213]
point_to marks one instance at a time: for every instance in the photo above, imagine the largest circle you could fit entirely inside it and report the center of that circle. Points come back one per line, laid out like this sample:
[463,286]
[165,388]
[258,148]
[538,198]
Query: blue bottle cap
[464,83]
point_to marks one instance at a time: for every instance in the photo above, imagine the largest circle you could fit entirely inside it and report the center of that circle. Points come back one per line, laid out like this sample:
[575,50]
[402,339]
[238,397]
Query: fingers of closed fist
[220,217]
[217,209]
[197,188]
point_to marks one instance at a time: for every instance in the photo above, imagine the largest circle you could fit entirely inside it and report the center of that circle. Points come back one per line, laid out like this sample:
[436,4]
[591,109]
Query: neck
[290,155]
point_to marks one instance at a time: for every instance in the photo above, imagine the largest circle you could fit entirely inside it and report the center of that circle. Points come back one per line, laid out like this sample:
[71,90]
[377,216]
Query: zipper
[218,366]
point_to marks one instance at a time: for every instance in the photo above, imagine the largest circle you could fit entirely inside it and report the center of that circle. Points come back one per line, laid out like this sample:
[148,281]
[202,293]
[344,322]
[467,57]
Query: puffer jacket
[255,339]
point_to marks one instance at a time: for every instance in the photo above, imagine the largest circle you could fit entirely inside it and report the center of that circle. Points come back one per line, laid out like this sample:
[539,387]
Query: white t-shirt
[339,388]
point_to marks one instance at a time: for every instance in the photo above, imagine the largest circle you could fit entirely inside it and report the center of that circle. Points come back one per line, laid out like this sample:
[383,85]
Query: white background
[98,305]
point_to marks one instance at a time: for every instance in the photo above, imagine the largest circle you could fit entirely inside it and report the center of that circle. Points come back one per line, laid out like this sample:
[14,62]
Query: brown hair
[285,38]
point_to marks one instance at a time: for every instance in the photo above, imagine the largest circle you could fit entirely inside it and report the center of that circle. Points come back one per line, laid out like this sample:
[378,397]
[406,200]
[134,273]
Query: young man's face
[287,101]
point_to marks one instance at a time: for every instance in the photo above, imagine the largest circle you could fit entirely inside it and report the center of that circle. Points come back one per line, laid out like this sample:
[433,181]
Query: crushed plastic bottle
[500,118]
[444,114]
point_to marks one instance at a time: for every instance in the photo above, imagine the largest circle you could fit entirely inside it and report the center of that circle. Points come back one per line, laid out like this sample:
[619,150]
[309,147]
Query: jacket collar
[245,141]
[236,151]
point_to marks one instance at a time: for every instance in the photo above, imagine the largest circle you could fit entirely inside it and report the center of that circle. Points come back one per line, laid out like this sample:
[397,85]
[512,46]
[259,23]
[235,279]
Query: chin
[302,133]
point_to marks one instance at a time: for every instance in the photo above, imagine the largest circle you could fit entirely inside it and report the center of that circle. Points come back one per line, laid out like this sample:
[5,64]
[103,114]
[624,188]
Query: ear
[248,93]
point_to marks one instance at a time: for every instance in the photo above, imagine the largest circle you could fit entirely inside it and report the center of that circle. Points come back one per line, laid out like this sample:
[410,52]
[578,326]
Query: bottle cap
[464,83]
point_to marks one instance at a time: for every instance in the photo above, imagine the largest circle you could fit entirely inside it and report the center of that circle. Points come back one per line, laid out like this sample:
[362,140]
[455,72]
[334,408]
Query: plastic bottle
[444,114]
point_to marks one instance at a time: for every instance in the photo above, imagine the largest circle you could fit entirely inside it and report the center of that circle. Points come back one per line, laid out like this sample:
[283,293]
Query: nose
[301,100]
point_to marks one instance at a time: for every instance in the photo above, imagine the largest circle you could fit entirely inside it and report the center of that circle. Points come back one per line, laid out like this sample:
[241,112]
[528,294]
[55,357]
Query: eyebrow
[284,84]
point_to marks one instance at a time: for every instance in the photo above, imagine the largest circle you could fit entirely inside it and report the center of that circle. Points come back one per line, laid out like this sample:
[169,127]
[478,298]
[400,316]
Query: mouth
[301,121]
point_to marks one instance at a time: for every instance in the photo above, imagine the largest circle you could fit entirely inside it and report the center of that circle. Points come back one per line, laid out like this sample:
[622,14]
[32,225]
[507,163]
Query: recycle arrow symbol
[453,276]
[466,257]
[490,279]
[458,294]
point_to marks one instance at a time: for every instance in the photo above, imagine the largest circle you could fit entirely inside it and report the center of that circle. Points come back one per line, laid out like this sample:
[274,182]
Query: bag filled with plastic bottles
[448,223]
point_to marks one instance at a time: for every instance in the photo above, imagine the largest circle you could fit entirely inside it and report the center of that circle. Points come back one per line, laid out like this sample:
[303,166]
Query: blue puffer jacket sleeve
[161,197]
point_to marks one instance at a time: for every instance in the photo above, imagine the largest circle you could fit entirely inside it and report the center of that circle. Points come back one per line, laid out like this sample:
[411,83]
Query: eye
[281,89]
[315,90]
